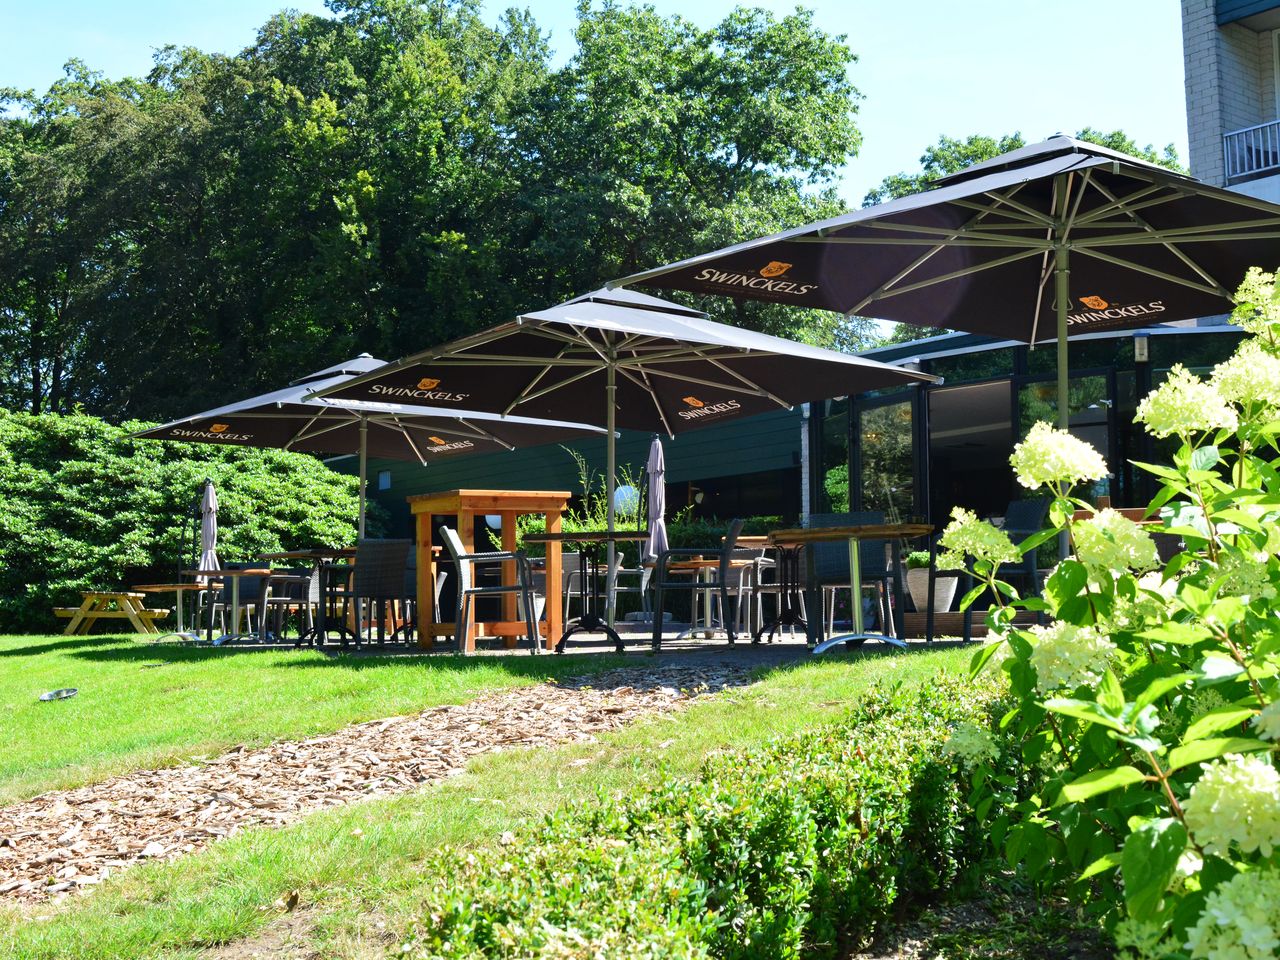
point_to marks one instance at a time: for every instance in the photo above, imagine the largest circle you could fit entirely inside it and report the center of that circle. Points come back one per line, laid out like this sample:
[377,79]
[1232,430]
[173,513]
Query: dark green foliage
[84,508]
[804,847]
[392,176]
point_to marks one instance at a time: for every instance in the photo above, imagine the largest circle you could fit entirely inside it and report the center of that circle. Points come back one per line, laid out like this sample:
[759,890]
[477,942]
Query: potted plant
[944,588]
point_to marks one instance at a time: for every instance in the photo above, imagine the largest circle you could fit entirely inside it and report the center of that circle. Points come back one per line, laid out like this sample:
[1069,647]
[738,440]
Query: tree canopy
[388,177]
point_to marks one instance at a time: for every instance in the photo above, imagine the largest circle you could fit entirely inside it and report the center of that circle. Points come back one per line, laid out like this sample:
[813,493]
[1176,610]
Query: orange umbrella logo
[774,268]
[1094,303]
[428,383]
[693,402]
[218,428]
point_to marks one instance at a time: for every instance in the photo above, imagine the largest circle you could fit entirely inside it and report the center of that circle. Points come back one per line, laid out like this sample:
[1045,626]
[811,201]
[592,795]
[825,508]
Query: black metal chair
[469,567]
[831,566]
[378,577]
[665,579]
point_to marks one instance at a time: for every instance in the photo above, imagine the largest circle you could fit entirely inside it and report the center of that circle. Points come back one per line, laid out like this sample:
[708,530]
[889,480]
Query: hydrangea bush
[1139,762]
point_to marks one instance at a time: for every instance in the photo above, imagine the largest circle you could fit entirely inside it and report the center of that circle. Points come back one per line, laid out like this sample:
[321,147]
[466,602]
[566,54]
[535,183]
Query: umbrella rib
[1224,231]
[732,388]
[302,430]
[964,231]
[485,433]
[1149,271]
[303,435]
[525,398]
[409,440]
[1007,200]
[1146,227]
[1021,224]
[1137,201]
[956,274]
[883,289]
[750,383]
[642,381]
[534,382]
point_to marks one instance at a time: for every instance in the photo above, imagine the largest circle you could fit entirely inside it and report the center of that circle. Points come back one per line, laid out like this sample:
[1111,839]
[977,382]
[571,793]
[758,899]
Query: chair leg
[461,628]
[729,618]
[657,614]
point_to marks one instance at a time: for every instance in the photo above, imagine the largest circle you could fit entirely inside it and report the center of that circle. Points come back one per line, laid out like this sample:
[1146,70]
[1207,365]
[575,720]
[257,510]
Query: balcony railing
[1252,151]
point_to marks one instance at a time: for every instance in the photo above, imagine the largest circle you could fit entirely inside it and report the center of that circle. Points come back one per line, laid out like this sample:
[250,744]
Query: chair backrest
[570,563]
[250,587]
[728,549]
[379,568]
[831,560]
[453,543]
[1025,517]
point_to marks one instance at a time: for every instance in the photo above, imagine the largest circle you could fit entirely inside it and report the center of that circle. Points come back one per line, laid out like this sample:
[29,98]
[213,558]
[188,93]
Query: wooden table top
[490,501]
[587,536]
[798,536]
[169,587]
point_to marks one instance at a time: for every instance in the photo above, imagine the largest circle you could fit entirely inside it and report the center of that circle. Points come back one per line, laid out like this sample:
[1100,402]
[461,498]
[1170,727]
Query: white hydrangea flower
[971,744]
[966,535]
[1259,306]
[1235,801]
[1251,377]
[1049,457]
[1267,723]
[1183,405]
[1240,920]
[1112,541]
[1246,573]
[1065,655]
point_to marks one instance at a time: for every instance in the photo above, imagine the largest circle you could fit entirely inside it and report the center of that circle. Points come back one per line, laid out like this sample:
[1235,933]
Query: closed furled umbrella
[290,419]
[656,469]
[1057,238]
[208,531]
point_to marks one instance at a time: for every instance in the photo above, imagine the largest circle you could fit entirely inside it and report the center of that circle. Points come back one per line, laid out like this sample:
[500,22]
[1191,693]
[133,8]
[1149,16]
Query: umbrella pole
[1061,274]
[611,483]
[364,465]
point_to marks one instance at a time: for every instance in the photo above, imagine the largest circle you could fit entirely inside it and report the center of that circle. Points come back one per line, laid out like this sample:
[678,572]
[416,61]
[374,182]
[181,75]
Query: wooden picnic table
[98,605]
[463,506]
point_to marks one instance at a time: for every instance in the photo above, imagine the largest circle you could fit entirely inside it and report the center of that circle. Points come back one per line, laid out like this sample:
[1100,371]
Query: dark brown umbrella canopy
[285,419]
[978,253]
[672,368]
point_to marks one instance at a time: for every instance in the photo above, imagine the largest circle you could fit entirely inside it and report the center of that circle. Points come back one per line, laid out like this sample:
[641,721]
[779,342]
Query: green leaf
[1085,710]
[981,656]
[971,596]
[1158,687]
[1110,693]
[1108,861]
[1148,862]
[1216,667]
[1100,781]
[1216,720]
[1205,457]
[1202,750]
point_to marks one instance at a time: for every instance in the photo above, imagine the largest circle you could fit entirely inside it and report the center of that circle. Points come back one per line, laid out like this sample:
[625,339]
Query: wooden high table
[464,506]
[794,539]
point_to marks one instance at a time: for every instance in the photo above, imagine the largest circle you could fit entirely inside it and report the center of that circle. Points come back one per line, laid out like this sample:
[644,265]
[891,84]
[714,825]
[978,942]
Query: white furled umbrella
[656,469]
[208,531]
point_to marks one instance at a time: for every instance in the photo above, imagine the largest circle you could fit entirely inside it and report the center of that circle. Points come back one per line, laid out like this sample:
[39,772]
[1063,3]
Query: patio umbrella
[656,365]
[290,419]
[208,531]
[1125,243]
[656,470]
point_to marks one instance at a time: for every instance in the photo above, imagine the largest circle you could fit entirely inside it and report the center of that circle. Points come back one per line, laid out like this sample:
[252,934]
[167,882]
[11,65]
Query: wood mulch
[68,841]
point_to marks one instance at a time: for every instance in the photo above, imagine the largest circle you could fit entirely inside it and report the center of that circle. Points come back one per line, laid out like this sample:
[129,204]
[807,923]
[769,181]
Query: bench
[110,605]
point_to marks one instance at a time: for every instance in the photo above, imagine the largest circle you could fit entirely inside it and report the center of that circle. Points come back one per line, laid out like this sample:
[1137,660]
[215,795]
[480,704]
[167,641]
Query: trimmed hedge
[804,847]
[83,507]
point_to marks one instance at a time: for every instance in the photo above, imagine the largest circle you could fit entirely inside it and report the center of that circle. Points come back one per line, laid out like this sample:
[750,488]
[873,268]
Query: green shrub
[82,507]
[801,848]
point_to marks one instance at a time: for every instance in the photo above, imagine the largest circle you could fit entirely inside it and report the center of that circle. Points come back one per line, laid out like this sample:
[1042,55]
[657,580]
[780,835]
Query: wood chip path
[68,841]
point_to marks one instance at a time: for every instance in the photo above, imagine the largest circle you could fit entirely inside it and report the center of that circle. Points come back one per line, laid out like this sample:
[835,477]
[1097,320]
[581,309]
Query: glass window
[834,456]
[384,479]
[888,460]
[1090,418]
[970,437]
[1198,352]
[1083,354]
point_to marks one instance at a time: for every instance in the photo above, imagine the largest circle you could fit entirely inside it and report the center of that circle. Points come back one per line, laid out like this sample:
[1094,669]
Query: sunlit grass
[365,865]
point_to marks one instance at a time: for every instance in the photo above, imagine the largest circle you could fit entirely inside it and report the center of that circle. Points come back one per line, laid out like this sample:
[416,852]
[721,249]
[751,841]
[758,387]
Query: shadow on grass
[517,663]
[53,646]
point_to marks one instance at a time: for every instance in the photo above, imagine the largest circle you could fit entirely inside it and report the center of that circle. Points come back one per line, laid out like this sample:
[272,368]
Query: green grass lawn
[359,870]
[146,705]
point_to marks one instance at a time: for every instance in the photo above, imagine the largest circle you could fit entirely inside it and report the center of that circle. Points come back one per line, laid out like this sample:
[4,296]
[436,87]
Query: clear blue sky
[926,67]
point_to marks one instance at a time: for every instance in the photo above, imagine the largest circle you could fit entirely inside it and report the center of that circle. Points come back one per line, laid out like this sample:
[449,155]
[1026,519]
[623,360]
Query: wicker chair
[378,577]
[665,579]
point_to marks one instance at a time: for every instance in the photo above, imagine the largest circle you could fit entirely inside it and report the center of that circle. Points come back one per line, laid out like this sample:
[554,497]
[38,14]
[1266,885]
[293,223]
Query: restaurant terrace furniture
[178,589]
[593,620]
[378,578]
[462,507]
[232,574]
[468,565]
[852,535]
[98,605]
[667,576]
[831,567]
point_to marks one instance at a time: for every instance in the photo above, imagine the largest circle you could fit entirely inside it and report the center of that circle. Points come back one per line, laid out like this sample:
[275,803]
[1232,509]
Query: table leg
[858,636]
[73,625]
[555,612]
[426,585]
[235,606]
[509,573]
[131,606]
